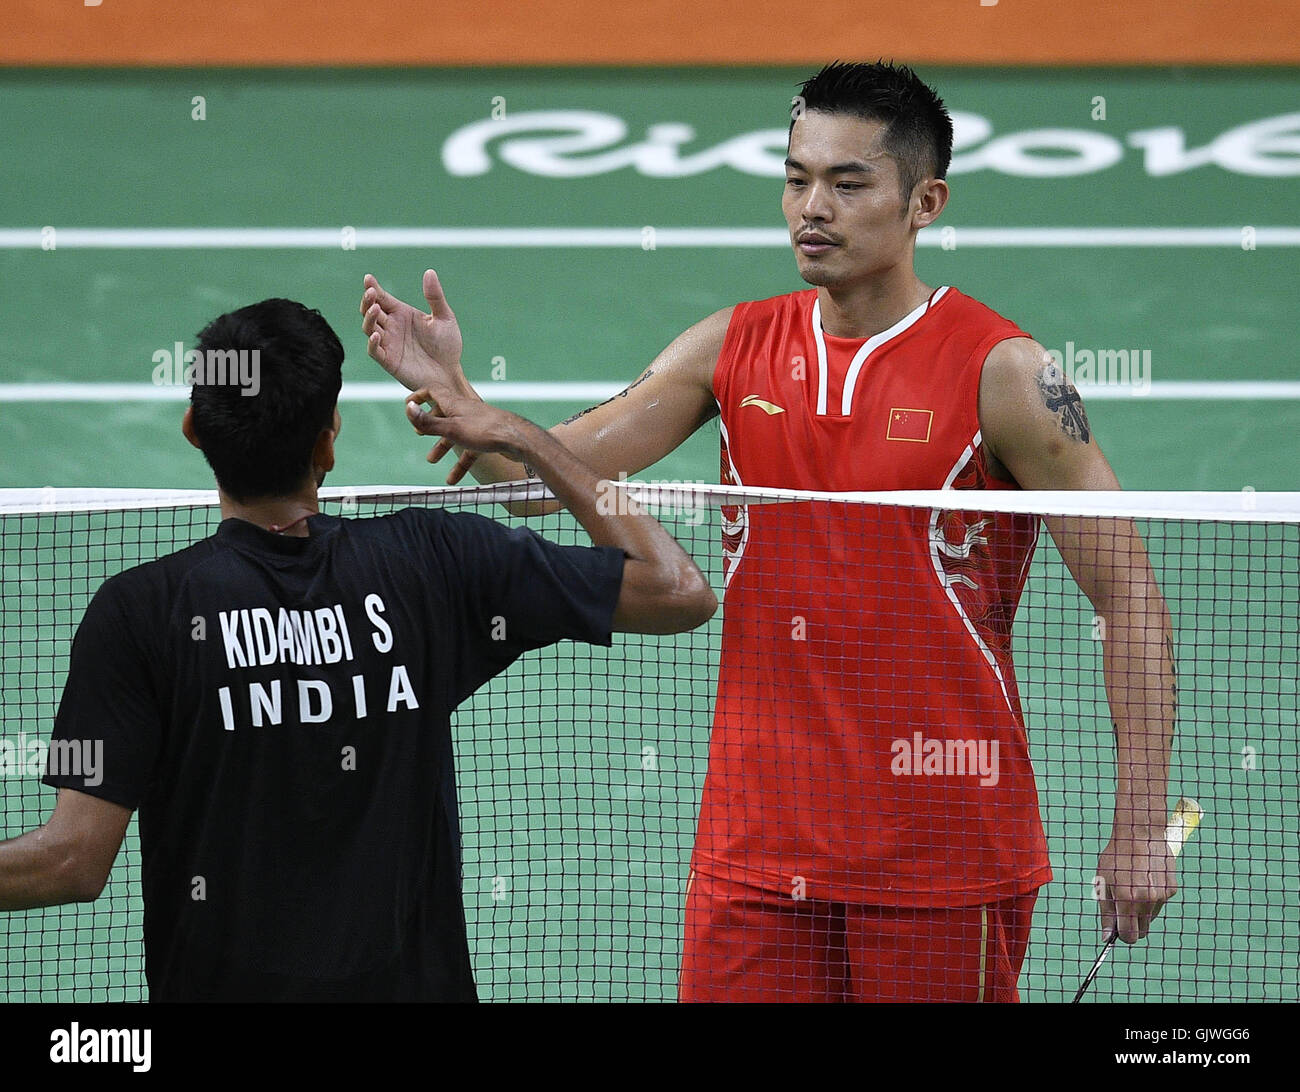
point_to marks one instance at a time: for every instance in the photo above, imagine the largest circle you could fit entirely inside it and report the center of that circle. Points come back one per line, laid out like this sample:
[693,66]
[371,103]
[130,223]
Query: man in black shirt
[275,700]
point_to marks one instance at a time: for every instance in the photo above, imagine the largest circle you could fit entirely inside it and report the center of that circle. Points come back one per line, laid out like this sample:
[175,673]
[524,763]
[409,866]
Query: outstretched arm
[1035,425]
[663,591]
[625,434]
[66,860]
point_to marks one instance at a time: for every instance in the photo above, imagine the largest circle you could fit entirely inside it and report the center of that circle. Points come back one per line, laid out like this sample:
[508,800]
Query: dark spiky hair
[258,436]
[918,131]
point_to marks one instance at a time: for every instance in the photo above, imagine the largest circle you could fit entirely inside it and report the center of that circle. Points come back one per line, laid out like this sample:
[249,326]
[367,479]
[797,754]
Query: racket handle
[1184,821]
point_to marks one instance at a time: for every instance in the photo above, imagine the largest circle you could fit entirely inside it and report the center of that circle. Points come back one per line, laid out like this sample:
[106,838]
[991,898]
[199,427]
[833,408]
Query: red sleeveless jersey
[868,743]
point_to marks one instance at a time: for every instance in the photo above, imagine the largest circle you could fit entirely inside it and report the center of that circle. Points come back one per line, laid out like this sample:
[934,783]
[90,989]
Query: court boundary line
[648,237]
[1170,390]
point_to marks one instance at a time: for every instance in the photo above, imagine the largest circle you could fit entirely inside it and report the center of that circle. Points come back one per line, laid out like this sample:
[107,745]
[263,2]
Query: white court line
[588,393]
[352,392]
[635,238]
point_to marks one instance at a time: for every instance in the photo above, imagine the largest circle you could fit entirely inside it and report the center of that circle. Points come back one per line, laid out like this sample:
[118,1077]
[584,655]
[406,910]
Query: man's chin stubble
[817,275]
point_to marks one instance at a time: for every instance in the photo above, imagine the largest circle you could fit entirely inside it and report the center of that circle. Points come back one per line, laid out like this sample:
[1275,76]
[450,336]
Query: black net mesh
[872,662]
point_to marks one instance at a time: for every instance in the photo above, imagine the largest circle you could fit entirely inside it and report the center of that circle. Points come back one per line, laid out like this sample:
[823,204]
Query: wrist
[522,438]
[464,386]
[439,376]
[540,454]
[1140,823]
[435,375]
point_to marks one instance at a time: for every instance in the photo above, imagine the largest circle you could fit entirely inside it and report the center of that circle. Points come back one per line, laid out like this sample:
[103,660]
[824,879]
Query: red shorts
[746,944]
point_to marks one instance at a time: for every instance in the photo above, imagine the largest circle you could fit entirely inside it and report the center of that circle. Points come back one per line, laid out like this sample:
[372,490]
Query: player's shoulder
[1013,370]
[957,306]
[703,339]
[407,531]
[1015,358]
[991,341]
[1013,355]
[771,307]
[752,323]
[148,590]
[423,520]
[453,545]
[421,528]
[161,571]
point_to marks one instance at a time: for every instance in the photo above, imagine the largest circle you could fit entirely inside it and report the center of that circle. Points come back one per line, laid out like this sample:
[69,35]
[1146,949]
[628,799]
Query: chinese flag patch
[910,424]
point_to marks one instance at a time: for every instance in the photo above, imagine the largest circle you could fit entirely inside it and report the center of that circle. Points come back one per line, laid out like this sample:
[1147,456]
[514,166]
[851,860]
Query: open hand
[415,348]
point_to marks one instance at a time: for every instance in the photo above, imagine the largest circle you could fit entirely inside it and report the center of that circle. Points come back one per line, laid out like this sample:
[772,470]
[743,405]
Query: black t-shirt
[278,709]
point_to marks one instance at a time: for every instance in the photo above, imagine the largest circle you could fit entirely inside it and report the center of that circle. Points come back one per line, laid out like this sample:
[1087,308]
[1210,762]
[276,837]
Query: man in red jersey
[860,644]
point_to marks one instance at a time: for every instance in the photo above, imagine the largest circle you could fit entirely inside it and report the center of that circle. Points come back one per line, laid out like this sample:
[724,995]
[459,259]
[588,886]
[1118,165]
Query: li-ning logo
[921,757]
[770,408]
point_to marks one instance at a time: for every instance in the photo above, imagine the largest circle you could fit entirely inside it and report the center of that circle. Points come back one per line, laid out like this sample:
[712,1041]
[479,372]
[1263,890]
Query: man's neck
[284,515]
[867,308]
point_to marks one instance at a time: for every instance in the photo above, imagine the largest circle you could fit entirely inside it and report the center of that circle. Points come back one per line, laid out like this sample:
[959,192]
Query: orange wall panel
[616,32]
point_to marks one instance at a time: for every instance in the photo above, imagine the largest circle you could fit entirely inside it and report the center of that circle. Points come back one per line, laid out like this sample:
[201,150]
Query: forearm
[492,468]
[489,469]
[608,516]
[36,870]
[1142,689]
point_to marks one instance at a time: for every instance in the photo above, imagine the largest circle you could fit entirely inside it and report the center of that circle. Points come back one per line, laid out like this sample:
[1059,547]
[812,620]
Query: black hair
[265,387]
[918,131]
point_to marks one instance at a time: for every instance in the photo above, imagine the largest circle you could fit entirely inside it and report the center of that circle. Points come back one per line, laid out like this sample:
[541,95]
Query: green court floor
[336,150]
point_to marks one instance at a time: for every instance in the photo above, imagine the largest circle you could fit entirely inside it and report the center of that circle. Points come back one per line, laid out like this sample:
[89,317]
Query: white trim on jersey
[860,357]
[821,356]
[937,546]
[741,525]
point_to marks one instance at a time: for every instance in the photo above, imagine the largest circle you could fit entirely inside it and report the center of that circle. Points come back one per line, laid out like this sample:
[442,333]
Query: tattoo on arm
[621,394]
[583,413]
[1063,400]
[1173,671]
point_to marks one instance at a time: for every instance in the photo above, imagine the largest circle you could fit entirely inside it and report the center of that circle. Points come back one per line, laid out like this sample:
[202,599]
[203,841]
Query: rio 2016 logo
[585,143]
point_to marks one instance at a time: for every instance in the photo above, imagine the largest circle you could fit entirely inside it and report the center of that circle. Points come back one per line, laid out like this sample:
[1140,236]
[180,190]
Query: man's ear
[187,427]
[322,455]
[932,197]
